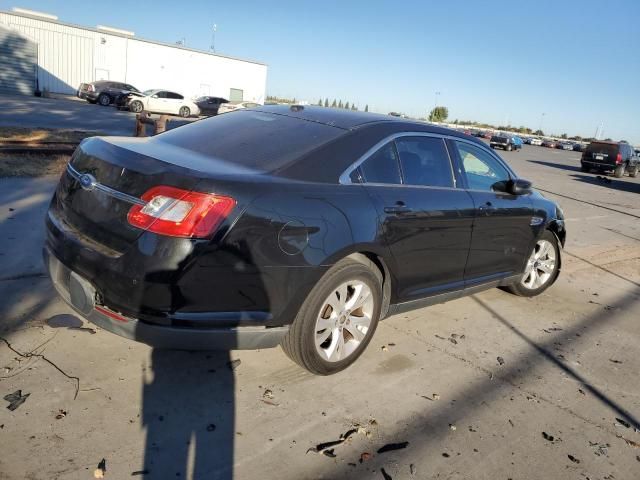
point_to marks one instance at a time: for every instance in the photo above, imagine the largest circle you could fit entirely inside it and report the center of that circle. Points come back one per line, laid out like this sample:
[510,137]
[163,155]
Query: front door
[502,230]
[425,220]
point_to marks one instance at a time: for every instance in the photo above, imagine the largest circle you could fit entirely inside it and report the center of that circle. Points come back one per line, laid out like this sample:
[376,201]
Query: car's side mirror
[519,186]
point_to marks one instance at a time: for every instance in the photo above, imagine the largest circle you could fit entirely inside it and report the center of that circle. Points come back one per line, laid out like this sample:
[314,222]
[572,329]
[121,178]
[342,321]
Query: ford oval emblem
[87,182]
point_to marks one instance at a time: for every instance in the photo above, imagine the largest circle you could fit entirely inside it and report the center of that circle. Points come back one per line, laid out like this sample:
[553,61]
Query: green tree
[320,102]
[326,102]
[439,114]
[334,104]
[354,108]
[564,136]
[539,133]
[366,108]
[340,105]
[347,106]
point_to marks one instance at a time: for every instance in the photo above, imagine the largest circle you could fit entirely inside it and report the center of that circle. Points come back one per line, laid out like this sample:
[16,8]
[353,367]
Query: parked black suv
[103,91]
[616,156]
[505,141]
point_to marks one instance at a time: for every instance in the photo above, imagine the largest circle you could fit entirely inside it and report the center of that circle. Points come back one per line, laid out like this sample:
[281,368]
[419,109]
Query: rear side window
[424,161]
[174,96]
[256,140]
[382,166]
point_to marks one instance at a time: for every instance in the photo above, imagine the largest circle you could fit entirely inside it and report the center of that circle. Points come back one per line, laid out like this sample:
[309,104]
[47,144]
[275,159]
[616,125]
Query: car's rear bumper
[80,295]
[603,165]
[87,95]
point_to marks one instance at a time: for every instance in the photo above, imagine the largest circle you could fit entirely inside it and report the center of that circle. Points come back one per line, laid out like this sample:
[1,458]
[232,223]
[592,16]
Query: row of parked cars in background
[510,141]
[128,97]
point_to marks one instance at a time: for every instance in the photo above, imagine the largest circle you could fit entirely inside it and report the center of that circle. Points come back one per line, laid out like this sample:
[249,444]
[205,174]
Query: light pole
[213,38]
[541,119]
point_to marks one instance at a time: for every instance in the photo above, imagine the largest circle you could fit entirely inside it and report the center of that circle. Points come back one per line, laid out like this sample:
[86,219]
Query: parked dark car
[103,92]
[579,147]
[209,105]
[506,142]
[618,157]
[245,242]
[549,143]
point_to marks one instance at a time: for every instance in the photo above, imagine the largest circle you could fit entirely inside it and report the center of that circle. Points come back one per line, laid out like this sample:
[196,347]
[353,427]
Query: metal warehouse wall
[69,55]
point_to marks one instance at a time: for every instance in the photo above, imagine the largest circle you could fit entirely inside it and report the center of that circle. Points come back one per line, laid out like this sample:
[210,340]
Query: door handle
[398,209]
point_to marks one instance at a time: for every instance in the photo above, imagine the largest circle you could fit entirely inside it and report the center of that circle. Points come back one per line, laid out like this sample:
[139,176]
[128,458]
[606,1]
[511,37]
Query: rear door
[174,102]
[425,220]
[502,230]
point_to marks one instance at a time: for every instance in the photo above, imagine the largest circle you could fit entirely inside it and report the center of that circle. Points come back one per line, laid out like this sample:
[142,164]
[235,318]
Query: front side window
[481,168]
[382,166]
[424,161]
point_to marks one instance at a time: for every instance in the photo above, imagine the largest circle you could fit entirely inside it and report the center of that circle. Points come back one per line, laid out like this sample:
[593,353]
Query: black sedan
[209,105]
[298,226]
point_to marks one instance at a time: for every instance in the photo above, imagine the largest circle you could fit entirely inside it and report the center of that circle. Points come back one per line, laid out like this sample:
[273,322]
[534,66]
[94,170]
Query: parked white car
[536,141]
[163,101]
[230,107]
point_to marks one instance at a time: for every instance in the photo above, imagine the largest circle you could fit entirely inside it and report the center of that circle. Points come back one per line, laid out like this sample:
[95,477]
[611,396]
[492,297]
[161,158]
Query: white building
[39,52]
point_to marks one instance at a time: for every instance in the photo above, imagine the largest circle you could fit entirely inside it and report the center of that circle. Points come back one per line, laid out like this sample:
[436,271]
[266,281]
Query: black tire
[299,343]
[136,106]
[584,168]
[508,148]
[104,100]
[520,290]
[619,171]
[633,171]
[184,112]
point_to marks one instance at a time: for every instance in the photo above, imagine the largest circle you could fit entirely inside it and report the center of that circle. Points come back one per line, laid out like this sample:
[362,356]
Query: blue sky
[578,62]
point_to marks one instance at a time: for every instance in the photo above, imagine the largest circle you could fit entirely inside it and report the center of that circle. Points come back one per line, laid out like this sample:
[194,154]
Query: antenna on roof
[35,13]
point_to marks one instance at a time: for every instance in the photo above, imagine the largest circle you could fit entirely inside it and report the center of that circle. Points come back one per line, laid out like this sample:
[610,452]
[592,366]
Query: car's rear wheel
[184,112]
[619,171]
[104,100]
[136,106]
[338,318]
[508,148]
[584,168]
[633,171]
[542,267]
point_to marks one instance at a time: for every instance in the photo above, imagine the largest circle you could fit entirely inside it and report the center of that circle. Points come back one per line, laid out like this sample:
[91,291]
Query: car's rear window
[257,140]
[610,149]
[499,139]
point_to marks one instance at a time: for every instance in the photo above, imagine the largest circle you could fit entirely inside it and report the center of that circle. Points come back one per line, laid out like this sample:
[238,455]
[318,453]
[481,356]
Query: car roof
[351,119]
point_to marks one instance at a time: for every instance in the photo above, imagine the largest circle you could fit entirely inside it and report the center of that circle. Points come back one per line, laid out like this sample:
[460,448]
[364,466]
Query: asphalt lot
[431,377]
[72,114]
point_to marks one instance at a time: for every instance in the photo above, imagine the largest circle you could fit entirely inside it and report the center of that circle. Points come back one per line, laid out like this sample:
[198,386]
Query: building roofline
[130,37]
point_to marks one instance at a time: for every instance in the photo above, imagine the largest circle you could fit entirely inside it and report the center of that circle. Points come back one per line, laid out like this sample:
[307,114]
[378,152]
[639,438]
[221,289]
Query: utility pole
[213,38]
[541,119]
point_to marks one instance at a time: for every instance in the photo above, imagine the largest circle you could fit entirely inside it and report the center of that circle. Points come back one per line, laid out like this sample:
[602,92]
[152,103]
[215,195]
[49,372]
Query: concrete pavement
[555,408]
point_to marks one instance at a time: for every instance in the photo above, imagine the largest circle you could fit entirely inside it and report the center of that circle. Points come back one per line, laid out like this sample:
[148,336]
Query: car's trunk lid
[106,177]
[602,152]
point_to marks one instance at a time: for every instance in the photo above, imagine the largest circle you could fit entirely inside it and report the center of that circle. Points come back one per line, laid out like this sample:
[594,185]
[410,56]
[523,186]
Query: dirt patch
[35,161]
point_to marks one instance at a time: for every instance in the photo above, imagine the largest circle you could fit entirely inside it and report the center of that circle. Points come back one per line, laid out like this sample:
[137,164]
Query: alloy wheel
[540,266]
[344,320]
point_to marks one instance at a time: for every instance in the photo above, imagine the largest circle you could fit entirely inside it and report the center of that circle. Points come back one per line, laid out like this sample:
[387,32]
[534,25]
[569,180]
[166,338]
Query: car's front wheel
[338,318]
[184,112]
[104,100]
[508,148]
[542,267]
[136,106]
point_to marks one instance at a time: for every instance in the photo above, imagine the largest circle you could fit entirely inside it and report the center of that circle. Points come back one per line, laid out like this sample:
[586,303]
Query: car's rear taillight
[618,158]
[180,213]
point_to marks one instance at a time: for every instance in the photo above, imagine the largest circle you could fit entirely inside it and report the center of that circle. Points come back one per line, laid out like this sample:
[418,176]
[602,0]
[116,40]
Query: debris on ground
[364,456]
[573,459]
[139,472]
[16,399]
[602,449]
[211,427]
[500,361]
[384,348]
[84,329]
[613,360]
[552,329]
[269,402]
[233,364]
[446,455]
[435,396]
[390,447]
[268,394]
[412,469]
[385,475]
[452,427]
[581,391]
[326,448]
[101,470]
[61,414]
[622,423]
[548,437]
[511,423]
[631,443]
